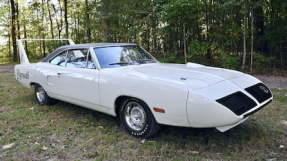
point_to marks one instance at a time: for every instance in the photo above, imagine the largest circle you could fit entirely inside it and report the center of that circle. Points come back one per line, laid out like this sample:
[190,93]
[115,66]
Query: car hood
[195,76]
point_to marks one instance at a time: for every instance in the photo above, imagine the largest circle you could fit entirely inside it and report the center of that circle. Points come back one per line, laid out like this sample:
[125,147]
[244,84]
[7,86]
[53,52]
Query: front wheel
[41,96]
[137,119]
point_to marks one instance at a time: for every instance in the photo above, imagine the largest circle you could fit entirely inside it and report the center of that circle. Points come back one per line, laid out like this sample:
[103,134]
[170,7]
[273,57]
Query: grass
[69,132]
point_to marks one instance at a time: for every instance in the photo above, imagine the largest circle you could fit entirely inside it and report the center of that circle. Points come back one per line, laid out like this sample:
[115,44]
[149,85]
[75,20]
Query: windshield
[110,57]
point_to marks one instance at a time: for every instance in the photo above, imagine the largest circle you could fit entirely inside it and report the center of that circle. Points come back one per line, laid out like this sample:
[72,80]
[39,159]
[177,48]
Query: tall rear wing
[22,53]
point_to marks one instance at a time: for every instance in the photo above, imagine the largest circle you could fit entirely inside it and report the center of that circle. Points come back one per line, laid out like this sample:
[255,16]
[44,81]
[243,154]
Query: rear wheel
[137,119]
[41,96]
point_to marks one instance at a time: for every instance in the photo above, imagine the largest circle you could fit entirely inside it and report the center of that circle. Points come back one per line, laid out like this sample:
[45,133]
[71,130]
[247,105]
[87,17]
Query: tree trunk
[207,39]
[9,45]
[259,27]
[13,30]
[75,24]
[25,37]
[51,20]
[89,35]
[59,22]
[17,20]
[66,18]
[78,26]
[184,44]
[61,16]
[281,54]
[252,42]
[244,44]
[43,26]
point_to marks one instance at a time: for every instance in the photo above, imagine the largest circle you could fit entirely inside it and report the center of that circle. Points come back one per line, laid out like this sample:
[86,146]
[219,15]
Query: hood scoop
[183,78]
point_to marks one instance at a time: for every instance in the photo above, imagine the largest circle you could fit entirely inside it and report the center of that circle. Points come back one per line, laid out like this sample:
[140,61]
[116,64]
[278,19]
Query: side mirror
[91,66]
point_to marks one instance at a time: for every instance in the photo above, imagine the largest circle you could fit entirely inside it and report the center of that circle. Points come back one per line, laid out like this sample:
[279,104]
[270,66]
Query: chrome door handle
[50,75]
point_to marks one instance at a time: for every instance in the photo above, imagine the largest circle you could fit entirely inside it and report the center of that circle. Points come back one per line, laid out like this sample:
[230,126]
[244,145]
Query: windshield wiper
[142,61]
[120,63]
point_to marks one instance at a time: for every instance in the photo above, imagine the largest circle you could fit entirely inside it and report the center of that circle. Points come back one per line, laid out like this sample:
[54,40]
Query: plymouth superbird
[125,81]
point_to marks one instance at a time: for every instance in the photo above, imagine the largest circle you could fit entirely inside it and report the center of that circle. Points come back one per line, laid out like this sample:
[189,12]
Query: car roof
[81,46]
[95,45]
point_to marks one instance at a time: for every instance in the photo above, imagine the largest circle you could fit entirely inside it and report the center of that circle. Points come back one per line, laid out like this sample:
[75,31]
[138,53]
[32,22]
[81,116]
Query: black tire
[149,128]
[44,99]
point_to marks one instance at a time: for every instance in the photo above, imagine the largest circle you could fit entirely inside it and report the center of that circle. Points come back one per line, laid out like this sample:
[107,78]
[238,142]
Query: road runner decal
[22,75]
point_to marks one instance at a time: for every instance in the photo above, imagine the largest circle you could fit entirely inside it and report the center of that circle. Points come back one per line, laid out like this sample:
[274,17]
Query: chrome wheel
[135,116]
[40,94]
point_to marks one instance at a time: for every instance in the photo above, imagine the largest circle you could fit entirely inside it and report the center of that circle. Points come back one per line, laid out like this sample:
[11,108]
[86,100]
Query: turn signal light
[160,110]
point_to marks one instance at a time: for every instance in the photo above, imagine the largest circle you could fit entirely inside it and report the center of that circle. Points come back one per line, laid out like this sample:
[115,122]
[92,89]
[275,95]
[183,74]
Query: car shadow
[251,129]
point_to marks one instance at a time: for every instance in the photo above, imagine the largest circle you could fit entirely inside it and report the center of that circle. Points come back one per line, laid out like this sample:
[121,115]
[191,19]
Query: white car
[125,81]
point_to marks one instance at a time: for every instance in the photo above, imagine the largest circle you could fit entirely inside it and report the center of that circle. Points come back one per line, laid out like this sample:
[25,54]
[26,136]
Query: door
[54,67]
[76,80]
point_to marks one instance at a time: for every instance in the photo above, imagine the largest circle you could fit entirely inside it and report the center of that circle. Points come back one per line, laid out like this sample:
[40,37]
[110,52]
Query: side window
[79,58]
[60,59]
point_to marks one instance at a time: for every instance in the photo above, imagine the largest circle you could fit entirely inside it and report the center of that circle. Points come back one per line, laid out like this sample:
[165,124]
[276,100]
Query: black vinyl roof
[81,46]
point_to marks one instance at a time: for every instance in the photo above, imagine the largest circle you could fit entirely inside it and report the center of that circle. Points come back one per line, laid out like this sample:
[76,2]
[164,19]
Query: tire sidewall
[44,102]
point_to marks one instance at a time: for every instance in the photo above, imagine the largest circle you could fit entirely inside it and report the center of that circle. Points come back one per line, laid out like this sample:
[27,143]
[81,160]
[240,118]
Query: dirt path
[271,81]
[6,68]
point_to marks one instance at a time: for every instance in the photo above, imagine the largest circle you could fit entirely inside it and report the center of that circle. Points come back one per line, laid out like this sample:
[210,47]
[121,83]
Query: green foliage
[171,58]
[197,48]
[212,30]
[261,61]
[197,52]
[229,61]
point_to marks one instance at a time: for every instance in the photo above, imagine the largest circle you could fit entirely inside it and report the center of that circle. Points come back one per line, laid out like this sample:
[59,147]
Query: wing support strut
[22,53]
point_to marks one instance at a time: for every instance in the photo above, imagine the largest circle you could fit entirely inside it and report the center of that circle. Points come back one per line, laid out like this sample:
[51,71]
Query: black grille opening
[260,92]
[237,102]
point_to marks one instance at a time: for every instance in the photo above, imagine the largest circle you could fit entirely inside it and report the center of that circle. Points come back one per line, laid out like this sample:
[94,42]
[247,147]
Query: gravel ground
[273,82]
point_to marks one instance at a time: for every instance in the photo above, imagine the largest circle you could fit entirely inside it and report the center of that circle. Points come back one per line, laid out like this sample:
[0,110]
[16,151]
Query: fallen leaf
[8,146]
[143,141]
[194,152]
[284,122]
[44,148]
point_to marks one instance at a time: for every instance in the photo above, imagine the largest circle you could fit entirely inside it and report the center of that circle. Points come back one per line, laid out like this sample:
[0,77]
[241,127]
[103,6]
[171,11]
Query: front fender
[155,92]
[204,112]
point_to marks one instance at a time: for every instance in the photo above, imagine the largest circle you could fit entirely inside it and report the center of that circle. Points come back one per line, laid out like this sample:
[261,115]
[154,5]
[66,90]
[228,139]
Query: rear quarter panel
[31,73]
[25,73]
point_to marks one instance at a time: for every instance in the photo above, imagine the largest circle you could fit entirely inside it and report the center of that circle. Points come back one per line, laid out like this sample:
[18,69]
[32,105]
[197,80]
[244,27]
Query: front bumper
[245,116]
[204,111]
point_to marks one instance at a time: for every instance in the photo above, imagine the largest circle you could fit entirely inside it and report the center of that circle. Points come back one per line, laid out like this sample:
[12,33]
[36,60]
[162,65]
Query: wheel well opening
[118,103]
[33,84]
[121,99]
